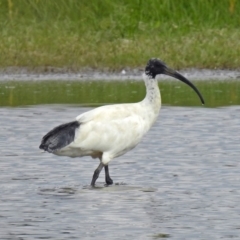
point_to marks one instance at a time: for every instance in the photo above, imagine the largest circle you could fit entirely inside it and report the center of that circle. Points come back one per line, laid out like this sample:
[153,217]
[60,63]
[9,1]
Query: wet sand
[22,74]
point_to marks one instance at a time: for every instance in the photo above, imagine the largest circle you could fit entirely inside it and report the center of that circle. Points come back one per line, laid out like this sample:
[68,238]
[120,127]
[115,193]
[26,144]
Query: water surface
[175,93]
[180,182]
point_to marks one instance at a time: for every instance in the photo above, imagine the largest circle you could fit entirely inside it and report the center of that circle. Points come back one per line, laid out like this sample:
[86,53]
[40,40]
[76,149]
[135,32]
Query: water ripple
[181,182]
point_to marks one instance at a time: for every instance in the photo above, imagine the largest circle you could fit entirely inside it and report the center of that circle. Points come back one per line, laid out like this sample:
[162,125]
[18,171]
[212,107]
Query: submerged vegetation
[110,35]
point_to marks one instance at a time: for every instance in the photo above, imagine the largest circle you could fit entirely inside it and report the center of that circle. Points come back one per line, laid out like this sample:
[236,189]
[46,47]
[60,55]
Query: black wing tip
[42,147]
[59,137]
[45,148]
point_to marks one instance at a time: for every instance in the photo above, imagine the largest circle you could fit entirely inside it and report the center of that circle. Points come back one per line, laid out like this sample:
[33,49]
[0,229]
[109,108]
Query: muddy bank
[24,74]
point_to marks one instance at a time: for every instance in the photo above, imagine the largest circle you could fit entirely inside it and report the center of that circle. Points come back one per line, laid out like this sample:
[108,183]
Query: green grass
[110,35]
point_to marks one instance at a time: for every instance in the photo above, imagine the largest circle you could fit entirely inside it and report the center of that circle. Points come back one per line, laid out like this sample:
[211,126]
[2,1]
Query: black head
[156,66]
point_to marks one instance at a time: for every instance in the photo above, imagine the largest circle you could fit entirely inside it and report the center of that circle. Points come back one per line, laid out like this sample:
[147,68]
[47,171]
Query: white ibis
[110,131]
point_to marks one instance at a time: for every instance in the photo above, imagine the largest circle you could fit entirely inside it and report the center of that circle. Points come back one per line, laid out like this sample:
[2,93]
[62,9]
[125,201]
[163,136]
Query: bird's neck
[153,97]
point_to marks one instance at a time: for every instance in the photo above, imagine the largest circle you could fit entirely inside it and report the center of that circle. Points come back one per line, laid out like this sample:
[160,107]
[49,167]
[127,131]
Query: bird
[109,131]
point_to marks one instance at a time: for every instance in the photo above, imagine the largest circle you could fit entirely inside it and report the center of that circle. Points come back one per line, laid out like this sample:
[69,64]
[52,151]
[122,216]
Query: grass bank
[111,35]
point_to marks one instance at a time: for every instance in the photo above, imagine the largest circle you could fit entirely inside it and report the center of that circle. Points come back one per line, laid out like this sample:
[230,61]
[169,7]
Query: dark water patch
[95,93]
[63,191]
[161,235]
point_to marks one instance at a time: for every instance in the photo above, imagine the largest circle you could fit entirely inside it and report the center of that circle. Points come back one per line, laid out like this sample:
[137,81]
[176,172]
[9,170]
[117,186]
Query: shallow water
[93,93]
[180,182]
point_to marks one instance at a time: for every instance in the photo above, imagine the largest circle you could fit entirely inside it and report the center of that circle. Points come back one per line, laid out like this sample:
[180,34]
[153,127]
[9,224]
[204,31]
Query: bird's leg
[109,181]
[96,173]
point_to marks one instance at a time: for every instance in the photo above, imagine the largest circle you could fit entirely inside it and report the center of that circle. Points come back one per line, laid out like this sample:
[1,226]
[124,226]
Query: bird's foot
[109,181]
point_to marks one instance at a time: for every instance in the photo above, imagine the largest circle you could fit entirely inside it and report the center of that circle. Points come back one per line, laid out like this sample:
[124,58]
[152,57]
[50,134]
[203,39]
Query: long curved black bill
[172,73]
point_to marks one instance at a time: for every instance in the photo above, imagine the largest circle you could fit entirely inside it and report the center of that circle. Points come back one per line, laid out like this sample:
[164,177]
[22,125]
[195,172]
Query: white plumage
[110,131]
